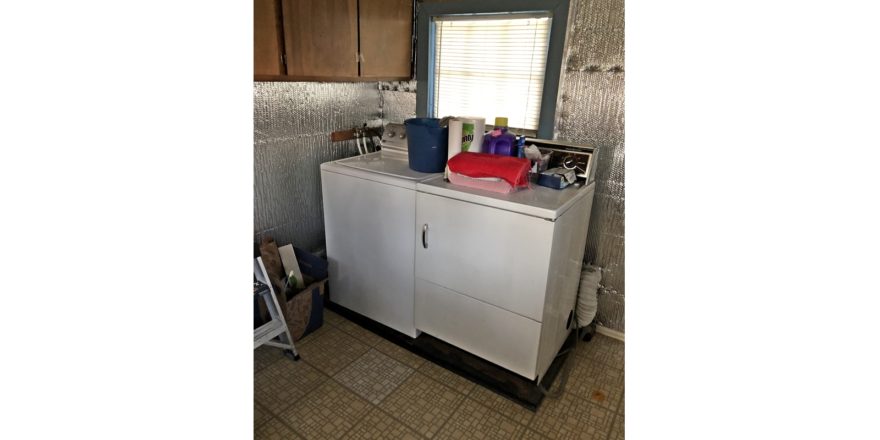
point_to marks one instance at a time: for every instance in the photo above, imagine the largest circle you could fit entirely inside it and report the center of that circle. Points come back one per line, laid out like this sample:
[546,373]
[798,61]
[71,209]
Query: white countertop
[382,167]
[537,201]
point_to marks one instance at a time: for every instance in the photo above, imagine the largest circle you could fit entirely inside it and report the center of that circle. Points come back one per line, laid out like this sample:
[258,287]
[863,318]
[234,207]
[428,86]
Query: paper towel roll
[454,137]
[479,127]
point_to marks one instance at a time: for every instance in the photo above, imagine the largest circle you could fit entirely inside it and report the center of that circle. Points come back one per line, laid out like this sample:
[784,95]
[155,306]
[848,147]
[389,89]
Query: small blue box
[556,178]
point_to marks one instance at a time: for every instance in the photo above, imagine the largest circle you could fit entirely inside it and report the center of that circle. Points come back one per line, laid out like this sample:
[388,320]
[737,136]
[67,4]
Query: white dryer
[369,221]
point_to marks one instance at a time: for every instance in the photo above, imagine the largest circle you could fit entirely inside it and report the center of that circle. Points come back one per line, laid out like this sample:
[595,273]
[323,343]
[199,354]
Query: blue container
[427,144]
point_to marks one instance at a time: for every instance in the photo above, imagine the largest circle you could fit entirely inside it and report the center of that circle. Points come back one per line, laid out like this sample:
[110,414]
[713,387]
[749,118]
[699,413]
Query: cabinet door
[267,38]
[320,37]
[386,38]
[370,245]
[495,256]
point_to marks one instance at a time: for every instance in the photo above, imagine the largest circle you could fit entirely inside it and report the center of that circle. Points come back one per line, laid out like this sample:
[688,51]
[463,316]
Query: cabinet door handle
[425,236]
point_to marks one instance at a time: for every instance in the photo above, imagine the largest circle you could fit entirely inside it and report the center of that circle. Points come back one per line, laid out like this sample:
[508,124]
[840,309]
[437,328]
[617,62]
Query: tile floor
[353,384]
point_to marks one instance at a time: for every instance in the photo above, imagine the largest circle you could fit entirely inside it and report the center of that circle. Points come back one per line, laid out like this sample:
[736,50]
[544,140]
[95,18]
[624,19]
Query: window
[491,58]
[490,65]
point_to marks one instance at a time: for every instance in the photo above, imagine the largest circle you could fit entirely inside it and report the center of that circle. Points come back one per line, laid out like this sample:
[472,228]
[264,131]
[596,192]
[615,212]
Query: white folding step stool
[276,327]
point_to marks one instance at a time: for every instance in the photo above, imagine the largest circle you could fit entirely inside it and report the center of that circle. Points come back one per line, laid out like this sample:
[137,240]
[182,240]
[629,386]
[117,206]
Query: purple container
[500,141]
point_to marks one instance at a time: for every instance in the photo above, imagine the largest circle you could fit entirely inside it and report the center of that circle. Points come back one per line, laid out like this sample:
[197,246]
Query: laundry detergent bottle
[499,140]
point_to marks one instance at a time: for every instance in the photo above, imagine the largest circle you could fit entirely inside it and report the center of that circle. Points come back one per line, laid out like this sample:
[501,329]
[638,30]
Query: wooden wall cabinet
[386,38]
[332,40]
[320,37]
[267,38]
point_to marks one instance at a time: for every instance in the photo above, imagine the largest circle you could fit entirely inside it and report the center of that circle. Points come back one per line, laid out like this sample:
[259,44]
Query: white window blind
[491,66]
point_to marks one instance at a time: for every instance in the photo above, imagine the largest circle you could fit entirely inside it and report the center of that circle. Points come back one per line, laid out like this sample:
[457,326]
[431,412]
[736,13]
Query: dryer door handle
[425,236]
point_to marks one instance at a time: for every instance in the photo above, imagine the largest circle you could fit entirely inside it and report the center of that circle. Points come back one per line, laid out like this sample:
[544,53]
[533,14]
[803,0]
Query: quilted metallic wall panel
[292,125]
[592,111]
[398,100]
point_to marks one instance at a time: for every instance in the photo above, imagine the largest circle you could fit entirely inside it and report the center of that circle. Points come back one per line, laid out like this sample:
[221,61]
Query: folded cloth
[493,184]
[513,170]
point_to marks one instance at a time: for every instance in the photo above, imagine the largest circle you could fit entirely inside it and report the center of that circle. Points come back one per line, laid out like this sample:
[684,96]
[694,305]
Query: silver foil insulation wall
[398,99]
[591,110]
[292,126]
[293,121]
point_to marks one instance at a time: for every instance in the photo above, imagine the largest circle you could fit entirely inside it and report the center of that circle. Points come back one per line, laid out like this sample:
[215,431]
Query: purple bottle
[500,141]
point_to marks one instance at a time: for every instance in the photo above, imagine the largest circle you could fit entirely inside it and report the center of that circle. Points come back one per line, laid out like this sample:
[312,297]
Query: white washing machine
[369,221]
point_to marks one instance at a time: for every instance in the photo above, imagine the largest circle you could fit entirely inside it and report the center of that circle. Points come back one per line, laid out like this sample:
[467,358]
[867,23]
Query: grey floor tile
[265,355]
[414,398]
[377,425]
[400,354]
[362,334]
[261,415]
[332,350]
[532,435]
[332,317]
[373,376]
[571,417]
[474,421]
[422,404]
[617,428]
[274,430]
[603,349]
[284,382]
[501,404]
[595,381]
[326,413]
[446,377]
[313,335]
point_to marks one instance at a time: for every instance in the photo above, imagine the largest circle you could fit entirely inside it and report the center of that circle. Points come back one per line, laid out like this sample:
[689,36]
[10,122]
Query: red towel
[514,170]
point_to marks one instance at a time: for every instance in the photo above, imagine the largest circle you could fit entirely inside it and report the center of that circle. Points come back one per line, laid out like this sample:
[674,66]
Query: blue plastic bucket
[427,144]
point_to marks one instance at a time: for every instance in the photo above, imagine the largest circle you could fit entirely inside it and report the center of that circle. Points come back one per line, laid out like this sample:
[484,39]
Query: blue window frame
[556,9]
